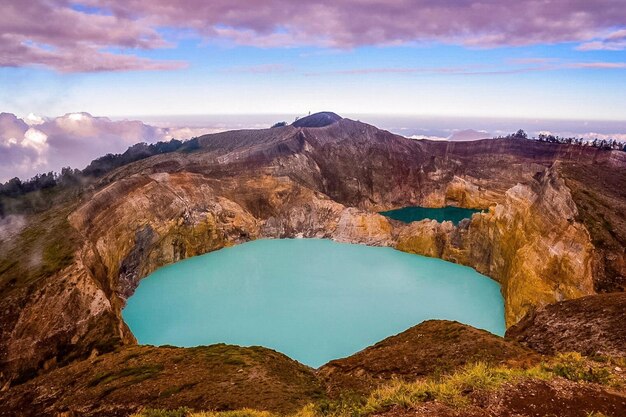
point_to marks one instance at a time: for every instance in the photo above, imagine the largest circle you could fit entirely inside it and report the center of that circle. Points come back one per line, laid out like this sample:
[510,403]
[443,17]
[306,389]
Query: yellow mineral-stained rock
[356,226]
[426,237]
[468,193]
[530,243]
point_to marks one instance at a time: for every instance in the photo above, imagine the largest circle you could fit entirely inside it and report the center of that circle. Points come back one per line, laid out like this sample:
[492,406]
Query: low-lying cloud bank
[33,144]
[458,136]
[466,135]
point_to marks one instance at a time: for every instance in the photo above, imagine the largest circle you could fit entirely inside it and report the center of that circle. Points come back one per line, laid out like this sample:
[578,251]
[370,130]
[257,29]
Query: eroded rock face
[531,244]
[134,226]
[600,196]
[63,320]
[325,182]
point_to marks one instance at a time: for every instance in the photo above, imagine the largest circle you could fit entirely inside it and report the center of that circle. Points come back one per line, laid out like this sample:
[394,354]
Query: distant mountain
[317,120]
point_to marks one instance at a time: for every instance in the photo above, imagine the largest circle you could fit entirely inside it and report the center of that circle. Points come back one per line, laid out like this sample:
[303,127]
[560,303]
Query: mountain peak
[320,119]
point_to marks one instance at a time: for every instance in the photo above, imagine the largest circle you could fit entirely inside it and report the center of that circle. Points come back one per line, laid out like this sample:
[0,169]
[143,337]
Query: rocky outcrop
[64,319]
[600,196]
[217,377]
[434,346]
[531,244]
[135,226]
[317,120]
[463,192]
[593,325]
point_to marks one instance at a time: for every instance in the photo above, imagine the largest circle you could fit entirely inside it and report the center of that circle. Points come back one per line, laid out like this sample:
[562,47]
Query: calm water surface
[314,300]
[412,214]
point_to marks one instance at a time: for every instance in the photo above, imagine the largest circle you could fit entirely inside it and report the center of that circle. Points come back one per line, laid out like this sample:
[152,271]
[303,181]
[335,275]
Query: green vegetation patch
[574,367]
[151,412]
[45,246]
[176,389]
[452,390]
[135,373]
[185,412]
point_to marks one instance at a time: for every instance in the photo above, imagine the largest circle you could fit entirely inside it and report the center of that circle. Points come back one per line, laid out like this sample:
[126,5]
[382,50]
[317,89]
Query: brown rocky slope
[593,326]
[223,377]
[432,347]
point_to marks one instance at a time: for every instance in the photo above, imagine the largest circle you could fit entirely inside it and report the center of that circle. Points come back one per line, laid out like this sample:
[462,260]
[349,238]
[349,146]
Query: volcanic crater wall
[302,183]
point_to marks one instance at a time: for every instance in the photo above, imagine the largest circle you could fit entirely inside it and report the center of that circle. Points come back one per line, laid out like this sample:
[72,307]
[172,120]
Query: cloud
[519,66]
[616,41]
[458,136]
[35,145]
[22,148]
[81,35]
[598,65]
[587,136]
[33,120]
[532,60]
[427,137]
[11,225]
[349,23]
[468,135]
[620,137]
[260,69]
[395,70]
[51,33]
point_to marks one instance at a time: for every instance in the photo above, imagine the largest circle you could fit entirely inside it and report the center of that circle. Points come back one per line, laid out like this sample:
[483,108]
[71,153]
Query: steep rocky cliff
[289,182]
[530,243]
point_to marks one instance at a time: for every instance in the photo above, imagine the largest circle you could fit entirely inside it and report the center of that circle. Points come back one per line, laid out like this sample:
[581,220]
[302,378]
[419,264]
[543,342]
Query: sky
[159,62]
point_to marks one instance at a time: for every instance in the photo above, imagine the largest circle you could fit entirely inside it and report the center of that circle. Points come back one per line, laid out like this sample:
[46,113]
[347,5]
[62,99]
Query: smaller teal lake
[413,214]
[313,300]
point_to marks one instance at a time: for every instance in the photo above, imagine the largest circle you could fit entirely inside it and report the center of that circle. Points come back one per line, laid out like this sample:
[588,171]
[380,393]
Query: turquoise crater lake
[415,213]
[311,299]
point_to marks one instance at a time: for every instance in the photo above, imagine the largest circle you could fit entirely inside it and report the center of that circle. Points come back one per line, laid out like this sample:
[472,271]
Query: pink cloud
[350,23]
[79,59]
[21,147]
[74,139]
[53,34]
[260,69]
[598,65]
[615,41]
[517,66]
[467,70]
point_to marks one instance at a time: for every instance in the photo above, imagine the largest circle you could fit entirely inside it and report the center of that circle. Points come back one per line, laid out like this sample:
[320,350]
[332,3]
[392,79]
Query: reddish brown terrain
[593,326]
